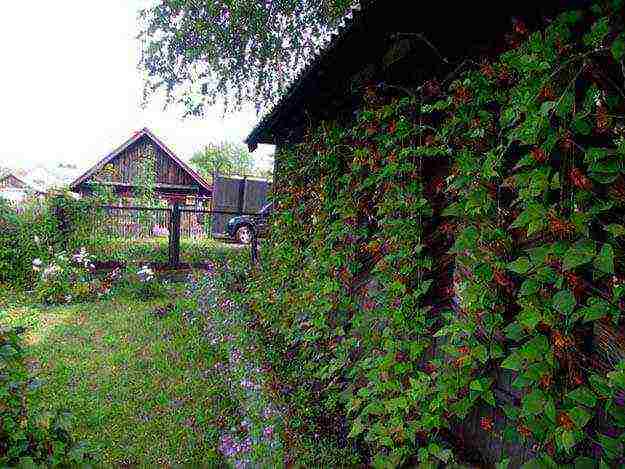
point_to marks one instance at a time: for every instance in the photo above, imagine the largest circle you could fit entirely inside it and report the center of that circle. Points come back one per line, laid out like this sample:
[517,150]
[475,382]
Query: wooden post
[254,248]
[241,199]
[174,235]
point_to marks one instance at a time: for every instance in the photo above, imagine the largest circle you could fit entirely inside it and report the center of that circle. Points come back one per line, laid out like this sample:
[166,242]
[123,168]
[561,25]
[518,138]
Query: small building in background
[16,188]
[123,169]
[236,196]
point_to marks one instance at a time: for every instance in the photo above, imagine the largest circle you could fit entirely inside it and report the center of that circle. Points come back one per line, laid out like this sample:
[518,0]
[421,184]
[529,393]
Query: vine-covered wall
[445,277]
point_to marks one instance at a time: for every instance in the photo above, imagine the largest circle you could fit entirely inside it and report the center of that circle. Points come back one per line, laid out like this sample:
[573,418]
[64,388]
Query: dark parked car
[242,227]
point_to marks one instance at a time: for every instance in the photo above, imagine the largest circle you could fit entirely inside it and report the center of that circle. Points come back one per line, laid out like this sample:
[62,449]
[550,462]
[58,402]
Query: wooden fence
[175,222]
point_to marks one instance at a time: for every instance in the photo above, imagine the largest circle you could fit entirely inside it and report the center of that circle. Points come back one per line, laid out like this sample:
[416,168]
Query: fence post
[254,248]
[174,235]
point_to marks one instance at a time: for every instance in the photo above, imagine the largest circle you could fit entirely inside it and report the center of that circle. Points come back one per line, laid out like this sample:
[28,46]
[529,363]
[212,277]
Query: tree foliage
[223,159]
[197,51]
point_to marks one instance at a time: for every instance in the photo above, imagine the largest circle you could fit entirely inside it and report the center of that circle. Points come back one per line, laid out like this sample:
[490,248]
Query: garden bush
[70,278]
[61,222]
[442,274]
[25,439]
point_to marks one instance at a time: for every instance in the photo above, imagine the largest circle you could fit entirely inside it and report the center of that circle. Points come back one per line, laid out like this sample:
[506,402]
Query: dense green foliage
[26,439]
[448,258]
[243,50]
[61,222]
[223,159]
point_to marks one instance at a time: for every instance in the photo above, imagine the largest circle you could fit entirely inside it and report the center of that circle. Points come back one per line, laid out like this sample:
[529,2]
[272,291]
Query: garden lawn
[137,384]
[137,251]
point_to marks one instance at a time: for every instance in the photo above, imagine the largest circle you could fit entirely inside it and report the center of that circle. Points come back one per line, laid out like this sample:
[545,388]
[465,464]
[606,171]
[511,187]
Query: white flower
[145,274]
[37,262]
[51,270]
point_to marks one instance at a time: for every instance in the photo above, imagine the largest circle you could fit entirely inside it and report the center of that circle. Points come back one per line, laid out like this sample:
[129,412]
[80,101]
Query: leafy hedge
[26,439]
[451,257]
[61,222]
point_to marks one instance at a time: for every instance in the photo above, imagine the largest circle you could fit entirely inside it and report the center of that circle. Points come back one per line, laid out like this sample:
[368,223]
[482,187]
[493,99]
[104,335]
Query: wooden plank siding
[120,169]
[124,169]
[11,182]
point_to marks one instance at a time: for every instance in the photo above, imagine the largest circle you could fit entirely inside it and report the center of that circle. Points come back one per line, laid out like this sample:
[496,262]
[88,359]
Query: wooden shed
[394,47]
[121,170]
[15,189]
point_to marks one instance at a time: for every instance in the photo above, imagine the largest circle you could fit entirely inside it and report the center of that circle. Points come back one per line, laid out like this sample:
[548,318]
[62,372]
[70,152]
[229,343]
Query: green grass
[139,387]
[156,250]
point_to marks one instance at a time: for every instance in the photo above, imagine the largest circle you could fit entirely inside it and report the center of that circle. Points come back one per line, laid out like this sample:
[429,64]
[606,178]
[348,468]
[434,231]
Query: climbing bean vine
[455,255]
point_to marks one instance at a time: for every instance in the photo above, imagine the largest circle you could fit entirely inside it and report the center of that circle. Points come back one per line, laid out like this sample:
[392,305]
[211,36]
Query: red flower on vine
[539,155]
[401,357]
[504,76]
[372,129]
[547,94]
[560,228]
[491,188]
[392,127]
[576,378]
[576,283]
[462,95]
[603,119]
[580,180]
[503,281]
[519,27]
[546,381]
[368,304]
[464,356]
[486,423]
[432,88]
[437,185]
[565,421]
[524,431]
[560,342]
[561,47]
[487,70]
[447,228]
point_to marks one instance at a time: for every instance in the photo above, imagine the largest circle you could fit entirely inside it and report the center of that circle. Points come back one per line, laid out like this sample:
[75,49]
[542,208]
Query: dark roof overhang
[450,29]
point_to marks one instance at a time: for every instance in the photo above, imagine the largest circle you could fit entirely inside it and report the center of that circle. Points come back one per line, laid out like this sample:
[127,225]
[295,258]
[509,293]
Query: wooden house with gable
[121,170]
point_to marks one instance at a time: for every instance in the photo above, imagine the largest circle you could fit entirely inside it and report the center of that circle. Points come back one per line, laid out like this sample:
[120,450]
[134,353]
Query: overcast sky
[70,90]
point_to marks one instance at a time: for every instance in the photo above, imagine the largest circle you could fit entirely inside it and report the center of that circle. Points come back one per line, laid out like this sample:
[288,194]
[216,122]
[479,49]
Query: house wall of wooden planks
[173,181]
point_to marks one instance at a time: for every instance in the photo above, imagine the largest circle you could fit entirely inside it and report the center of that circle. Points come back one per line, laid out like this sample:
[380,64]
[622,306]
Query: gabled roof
[145,132]
[5,174]
[324,55]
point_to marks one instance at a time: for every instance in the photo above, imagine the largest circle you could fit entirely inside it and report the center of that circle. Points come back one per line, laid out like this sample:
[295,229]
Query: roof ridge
[349,21]
[137,135]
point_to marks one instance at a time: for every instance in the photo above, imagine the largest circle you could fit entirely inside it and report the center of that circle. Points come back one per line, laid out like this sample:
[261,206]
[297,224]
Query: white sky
[70,90]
